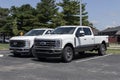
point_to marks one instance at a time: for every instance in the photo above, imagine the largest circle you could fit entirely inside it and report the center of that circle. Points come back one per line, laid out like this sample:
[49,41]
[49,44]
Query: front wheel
[102,50]
[67,55]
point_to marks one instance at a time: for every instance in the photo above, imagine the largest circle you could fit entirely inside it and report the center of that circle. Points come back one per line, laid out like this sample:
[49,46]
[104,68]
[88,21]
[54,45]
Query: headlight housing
[27,44]
[58,43]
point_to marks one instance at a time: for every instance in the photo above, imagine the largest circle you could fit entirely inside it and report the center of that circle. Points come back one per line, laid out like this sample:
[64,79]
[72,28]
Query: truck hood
[23,38]
[54,36]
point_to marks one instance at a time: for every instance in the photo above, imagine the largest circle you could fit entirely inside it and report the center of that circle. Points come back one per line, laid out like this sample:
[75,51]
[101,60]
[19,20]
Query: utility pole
[80,12]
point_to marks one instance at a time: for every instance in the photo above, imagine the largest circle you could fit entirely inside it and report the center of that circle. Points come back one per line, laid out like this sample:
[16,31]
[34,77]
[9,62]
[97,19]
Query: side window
[48,32]
[87,31]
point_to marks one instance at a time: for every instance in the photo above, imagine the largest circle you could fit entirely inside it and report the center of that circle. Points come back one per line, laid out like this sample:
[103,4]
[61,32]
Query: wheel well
[69,44]
[103,42]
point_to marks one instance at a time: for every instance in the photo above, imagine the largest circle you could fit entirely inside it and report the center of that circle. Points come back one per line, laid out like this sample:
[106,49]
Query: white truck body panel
[25,38]
[99,39]
[66,38]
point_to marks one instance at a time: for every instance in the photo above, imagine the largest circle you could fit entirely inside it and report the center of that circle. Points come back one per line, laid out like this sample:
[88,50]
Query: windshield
[34,33]
[64,30]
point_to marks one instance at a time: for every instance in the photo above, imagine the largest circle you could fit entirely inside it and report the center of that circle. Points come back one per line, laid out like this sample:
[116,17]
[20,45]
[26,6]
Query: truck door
[86,41]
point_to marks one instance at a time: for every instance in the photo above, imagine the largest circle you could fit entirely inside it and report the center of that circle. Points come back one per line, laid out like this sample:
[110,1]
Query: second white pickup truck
[22,45]
[65,41]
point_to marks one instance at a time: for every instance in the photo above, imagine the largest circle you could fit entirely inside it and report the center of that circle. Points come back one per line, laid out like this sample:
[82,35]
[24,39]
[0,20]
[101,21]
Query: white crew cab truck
[22,45]
[65,41]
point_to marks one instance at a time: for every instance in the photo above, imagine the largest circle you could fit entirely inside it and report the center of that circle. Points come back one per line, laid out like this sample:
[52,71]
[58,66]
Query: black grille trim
[17,43]
[45,43]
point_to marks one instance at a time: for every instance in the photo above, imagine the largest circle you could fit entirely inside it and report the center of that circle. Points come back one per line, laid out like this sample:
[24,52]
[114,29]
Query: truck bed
[99,39]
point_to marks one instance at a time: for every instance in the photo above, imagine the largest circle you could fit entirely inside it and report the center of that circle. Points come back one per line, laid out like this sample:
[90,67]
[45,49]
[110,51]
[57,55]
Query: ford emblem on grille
[42,43]
[14,43]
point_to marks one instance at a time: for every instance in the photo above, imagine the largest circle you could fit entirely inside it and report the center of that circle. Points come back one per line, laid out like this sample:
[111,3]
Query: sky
[102,13]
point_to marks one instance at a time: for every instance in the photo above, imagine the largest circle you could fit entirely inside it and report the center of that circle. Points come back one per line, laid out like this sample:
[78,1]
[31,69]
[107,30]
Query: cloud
[114,24]
[94,22]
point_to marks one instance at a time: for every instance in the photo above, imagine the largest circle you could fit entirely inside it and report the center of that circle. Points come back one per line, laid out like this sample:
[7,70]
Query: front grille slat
[44,43]
[17,43]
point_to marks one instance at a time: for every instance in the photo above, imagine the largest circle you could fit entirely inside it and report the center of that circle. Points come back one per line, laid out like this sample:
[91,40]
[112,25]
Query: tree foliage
[4,12]
[23,17]
[69,11]
[47,13]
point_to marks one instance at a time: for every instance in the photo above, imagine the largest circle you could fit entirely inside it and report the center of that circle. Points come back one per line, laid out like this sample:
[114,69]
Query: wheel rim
[103,49]
[69,53]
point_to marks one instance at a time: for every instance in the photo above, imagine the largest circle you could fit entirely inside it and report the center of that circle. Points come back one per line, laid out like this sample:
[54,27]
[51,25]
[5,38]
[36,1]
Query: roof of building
[112,29]
[118,33]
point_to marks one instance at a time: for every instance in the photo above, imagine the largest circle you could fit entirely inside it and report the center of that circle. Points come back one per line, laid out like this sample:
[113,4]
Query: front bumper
[47,52]
[20,50]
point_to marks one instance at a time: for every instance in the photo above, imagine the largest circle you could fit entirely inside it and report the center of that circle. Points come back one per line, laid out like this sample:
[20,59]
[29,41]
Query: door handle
[84,39]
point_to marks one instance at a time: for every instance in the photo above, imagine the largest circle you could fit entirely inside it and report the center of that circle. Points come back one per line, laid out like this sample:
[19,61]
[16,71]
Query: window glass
[64,30]
[34,33]
[87,31]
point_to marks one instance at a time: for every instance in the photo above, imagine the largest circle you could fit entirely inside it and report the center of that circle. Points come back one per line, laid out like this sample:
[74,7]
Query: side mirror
[49,32]
[80,34]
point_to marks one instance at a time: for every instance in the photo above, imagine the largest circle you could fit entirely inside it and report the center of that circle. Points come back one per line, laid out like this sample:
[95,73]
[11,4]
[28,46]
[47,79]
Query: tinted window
[64,30]
[34,33]
[87,31]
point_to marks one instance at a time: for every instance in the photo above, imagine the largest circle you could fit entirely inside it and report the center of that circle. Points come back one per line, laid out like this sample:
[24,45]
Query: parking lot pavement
[83,67]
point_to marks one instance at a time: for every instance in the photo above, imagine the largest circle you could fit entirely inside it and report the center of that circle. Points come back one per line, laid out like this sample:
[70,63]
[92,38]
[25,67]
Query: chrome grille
[17,43]
[44,43]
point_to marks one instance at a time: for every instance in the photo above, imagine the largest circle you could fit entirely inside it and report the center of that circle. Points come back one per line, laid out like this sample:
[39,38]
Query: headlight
[58,43]
[27,43]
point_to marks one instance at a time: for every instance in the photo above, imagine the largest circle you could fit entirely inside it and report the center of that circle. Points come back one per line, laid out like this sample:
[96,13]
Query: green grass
[4,46]
[113,51]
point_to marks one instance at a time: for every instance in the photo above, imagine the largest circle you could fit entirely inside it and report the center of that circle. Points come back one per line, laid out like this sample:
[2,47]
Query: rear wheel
[102,50]
[67,54]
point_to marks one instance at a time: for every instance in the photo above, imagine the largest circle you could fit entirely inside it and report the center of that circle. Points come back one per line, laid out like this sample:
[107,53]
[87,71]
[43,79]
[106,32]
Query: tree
[47,10]
[23,18]
[4,12]
[85,21]
[70,10]
[45,14]
[58,20]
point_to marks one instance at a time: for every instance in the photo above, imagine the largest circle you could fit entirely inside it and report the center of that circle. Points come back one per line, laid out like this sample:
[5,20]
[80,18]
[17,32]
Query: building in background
[113,33]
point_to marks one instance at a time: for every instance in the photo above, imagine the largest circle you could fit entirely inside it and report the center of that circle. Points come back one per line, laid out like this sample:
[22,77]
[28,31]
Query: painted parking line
[1,55]
[92,58]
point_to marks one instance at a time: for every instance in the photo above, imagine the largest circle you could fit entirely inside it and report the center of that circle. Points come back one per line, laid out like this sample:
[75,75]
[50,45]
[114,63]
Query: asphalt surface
[83,67]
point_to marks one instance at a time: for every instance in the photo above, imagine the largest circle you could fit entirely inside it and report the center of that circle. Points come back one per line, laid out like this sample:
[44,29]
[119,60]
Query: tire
[67,55]
[102,50]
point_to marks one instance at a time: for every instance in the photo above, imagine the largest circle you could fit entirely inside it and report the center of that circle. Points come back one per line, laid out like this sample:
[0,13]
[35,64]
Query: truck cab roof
[74,26]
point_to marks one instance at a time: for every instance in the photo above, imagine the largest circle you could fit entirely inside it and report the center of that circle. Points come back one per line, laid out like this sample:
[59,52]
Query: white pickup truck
[22,45]
[65,41]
